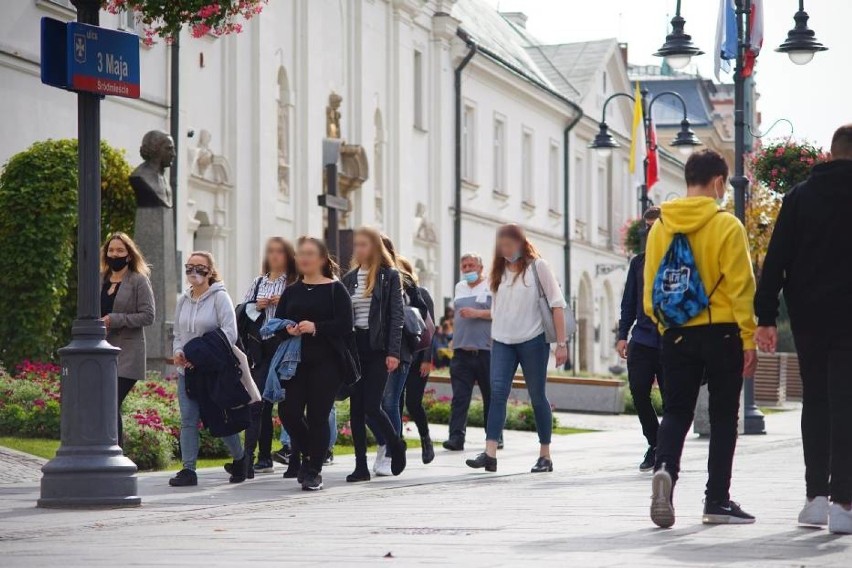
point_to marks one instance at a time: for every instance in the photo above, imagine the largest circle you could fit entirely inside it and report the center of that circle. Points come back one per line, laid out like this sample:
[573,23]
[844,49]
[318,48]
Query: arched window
[283,145]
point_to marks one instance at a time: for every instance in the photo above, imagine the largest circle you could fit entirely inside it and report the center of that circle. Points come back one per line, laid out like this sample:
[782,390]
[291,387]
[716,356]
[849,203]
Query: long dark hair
[330,269]
[289,258]
[528,254]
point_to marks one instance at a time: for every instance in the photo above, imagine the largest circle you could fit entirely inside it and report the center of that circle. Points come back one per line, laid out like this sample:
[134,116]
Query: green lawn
[566,430]
[772,410]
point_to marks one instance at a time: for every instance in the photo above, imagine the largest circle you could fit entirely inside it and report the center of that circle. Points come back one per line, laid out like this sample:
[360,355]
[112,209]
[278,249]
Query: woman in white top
[518,337]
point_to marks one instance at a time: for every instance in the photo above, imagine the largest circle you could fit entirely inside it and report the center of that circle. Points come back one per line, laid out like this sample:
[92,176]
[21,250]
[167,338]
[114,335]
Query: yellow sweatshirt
[720,246]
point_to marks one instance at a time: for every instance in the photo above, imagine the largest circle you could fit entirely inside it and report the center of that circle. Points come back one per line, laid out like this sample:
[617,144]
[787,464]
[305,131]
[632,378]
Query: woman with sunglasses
[321,308]
[204,307]
[518,338]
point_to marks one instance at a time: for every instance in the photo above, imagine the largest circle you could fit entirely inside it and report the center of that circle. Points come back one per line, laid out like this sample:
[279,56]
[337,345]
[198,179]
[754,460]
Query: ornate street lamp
[801,44]
[678,50]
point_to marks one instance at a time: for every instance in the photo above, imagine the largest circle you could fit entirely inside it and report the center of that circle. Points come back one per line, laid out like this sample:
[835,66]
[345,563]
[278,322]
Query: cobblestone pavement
[591,512]
[17,467]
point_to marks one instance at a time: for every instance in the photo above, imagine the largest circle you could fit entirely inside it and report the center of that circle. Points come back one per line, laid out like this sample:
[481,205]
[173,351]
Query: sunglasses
[199,269]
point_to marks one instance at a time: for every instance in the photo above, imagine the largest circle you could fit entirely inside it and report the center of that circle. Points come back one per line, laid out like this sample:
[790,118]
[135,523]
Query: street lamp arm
[616,95]
[658,96]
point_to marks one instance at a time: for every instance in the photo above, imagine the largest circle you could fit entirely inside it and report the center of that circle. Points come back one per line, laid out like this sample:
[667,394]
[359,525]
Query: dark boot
[239,469]
[361,473]
[294,466]
[427,451]
[398,457]
[481,461]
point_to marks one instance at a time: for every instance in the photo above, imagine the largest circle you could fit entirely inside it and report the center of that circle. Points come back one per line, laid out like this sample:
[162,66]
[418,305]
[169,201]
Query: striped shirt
[360,303]
[267,289]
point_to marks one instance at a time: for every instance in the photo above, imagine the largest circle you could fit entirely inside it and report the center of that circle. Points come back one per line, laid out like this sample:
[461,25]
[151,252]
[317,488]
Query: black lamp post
[89,469]
[685,142]
[801,46]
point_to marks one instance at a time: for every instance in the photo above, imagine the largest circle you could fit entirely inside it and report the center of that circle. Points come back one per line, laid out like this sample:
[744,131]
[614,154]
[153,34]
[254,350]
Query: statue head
[158,149]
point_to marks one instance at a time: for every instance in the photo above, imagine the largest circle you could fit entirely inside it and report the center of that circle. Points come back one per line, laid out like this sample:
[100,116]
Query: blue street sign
[81,57]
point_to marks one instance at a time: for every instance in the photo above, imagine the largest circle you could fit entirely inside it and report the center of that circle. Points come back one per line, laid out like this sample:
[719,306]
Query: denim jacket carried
[284,362]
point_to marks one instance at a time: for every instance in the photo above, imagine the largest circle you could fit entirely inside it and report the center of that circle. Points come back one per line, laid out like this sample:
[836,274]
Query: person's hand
[106,320]
[293,330]
[766,338]
[307,327]
[180,360]
[467,313]
[749,363]
[621,348]
[425,369]
[561,355]
[273,300]
[262,303]
[391,363]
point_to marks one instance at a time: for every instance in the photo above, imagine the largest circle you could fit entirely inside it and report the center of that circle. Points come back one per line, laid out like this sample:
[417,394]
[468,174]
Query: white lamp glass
[678,61]
[686,150]
[801,57]
[604,152]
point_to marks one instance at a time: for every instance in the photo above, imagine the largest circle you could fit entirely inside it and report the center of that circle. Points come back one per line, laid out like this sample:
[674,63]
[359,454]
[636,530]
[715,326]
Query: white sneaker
[839,520]
[815,512]
[383,467]
[662,510]
[380,455]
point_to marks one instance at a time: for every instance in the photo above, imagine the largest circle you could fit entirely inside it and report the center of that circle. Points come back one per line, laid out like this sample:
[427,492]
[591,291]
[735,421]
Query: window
[602,191]
[127,21]
[500,155]
[283,139]
[580,190]
[553,180]
[468,169]
[527,189]
[419,118]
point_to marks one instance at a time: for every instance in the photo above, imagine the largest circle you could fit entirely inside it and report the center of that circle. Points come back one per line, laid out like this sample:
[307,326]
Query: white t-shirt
[515,317]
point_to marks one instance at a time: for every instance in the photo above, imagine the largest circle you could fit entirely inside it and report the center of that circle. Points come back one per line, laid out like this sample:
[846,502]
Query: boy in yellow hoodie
[716,345]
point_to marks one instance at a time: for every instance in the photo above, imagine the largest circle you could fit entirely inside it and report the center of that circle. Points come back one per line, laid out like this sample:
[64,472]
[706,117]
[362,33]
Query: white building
[257,105]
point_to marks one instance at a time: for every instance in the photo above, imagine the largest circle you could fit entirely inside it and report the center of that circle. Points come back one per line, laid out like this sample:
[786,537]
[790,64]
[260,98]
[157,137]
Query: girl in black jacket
[374,285]
[321,307]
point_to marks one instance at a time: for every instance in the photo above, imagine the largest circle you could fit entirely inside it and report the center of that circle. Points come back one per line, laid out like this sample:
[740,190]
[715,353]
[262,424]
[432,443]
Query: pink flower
[200,30]
[39,403]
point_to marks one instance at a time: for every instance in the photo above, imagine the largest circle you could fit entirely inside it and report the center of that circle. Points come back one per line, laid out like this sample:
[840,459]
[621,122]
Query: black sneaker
[542,465]
[662,510]
[239,470]
[250,469]
[481,461]
[329,458]
[725,513]
[427,451]
[312,482]
[264,466]
[649,460]
[282,456]
[398,457]
[359,475]
[454,445]
[184,478]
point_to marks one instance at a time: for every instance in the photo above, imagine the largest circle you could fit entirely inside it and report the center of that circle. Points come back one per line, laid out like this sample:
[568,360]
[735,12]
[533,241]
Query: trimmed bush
[656,401]
[519,415]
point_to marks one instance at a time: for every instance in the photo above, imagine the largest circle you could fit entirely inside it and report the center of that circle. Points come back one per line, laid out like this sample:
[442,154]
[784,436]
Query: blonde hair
[136,260]
[407,270]
[381,257]
[213,277]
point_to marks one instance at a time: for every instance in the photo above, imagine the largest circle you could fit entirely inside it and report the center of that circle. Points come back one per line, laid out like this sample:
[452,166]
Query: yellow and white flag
[638,146]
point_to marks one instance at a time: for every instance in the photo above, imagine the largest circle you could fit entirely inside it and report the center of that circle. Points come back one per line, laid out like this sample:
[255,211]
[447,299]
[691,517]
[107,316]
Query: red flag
[653,166]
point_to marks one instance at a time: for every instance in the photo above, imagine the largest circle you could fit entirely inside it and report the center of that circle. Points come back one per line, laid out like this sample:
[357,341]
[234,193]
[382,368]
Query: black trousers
[466,369]
[259,433]
[415,386]
[825,361]
[124,388]
[691,354]
[309,397]
[366,400]
[644,364]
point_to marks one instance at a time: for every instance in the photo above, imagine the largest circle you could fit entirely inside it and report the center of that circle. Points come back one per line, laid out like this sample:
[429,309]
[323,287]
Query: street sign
[82,57]
[333,202]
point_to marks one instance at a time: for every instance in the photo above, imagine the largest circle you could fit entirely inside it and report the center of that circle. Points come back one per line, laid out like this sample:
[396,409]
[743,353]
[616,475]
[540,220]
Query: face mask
[196,279]
[513,258]
[117,263]
[470,277]
[721,201]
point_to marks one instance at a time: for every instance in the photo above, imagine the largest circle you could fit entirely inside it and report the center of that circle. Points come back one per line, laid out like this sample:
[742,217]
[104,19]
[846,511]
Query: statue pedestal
[155,235]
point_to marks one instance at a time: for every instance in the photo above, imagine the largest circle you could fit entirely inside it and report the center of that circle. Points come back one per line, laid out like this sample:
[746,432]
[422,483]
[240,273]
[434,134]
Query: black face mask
[117,263]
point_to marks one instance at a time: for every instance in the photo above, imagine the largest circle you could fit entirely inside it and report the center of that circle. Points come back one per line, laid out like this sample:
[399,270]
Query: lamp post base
[753,418]
[89,470]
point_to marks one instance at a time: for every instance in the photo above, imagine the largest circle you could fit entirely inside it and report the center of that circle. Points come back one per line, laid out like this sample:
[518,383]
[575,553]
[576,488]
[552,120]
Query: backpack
[248,330]
[679,294]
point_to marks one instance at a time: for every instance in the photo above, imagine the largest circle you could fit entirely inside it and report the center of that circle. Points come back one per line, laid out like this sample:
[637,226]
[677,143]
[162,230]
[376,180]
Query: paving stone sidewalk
[18,467]
[591,512]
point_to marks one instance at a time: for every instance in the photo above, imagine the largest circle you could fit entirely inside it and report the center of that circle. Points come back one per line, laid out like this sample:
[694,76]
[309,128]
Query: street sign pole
[330,200]
[89,469]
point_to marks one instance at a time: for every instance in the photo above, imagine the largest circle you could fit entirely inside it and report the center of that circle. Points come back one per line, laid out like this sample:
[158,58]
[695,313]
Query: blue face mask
[513,258]
[470,277]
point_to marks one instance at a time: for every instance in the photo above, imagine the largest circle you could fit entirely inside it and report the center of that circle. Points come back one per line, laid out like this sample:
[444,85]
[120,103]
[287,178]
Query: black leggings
[124,388]
[415,386]
[367,397]
[308,401]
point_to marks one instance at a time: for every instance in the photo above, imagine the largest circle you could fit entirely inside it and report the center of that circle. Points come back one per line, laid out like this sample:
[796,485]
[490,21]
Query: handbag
[349,354]
[546,312]
[427,335]
[248,330]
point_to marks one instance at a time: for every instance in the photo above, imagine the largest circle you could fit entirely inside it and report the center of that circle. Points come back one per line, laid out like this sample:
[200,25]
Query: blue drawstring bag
[678,294]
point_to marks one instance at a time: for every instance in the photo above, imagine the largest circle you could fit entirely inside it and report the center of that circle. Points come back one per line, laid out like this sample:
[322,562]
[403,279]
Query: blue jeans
[532,356]
[190,416]
[390,401]
[332,427]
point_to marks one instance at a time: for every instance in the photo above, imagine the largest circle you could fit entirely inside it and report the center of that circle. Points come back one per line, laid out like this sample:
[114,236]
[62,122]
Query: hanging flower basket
[631,236]
[166,18]
[782,165]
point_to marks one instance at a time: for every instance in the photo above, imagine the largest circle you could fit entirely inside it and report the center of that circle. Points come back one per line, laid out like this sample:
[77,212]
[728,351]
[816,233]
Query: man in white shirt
[471,363]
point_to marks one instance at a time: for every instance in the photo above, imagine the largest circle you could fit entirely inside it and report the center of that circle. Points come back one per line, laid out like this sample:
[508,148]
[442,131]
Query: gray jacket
[213,310]
[132,311]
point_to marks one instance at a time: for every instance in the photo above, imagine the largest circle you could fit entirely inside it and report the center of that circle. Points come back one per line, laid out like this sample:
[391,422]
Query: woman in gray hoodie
[204,307]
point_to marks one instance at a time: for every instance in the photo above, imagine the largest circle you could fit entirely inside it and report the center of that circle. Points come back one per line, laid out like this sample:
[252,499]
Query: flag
[638,146]
[653,166]
[726,36]
[756,37]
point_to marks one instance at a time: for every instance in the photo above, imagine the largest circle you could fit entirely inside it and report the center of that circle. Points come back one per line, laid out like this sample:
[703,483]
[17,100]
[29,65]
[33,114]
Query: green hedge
[38,226]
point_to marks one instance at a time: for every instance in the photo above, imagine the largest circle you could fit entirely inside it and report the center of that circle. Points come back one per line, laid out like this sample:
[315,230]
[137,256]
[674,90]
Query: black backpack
[248,331]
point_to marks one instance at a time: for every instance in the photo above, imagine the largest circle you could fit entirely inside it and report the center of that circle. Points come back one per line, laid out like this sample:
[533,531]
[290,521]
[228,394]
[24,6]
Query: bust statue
[149,180]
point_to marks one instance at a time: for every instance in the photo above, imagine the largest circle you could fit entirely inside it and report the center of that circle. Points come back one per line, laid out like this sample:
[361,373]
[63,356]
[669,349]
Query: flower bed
[519,415]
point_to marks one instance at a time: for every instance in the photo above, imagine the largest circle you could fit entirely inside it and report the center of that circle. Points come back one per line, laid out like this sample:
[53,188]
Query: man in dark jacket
[805,259]
[643,350]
